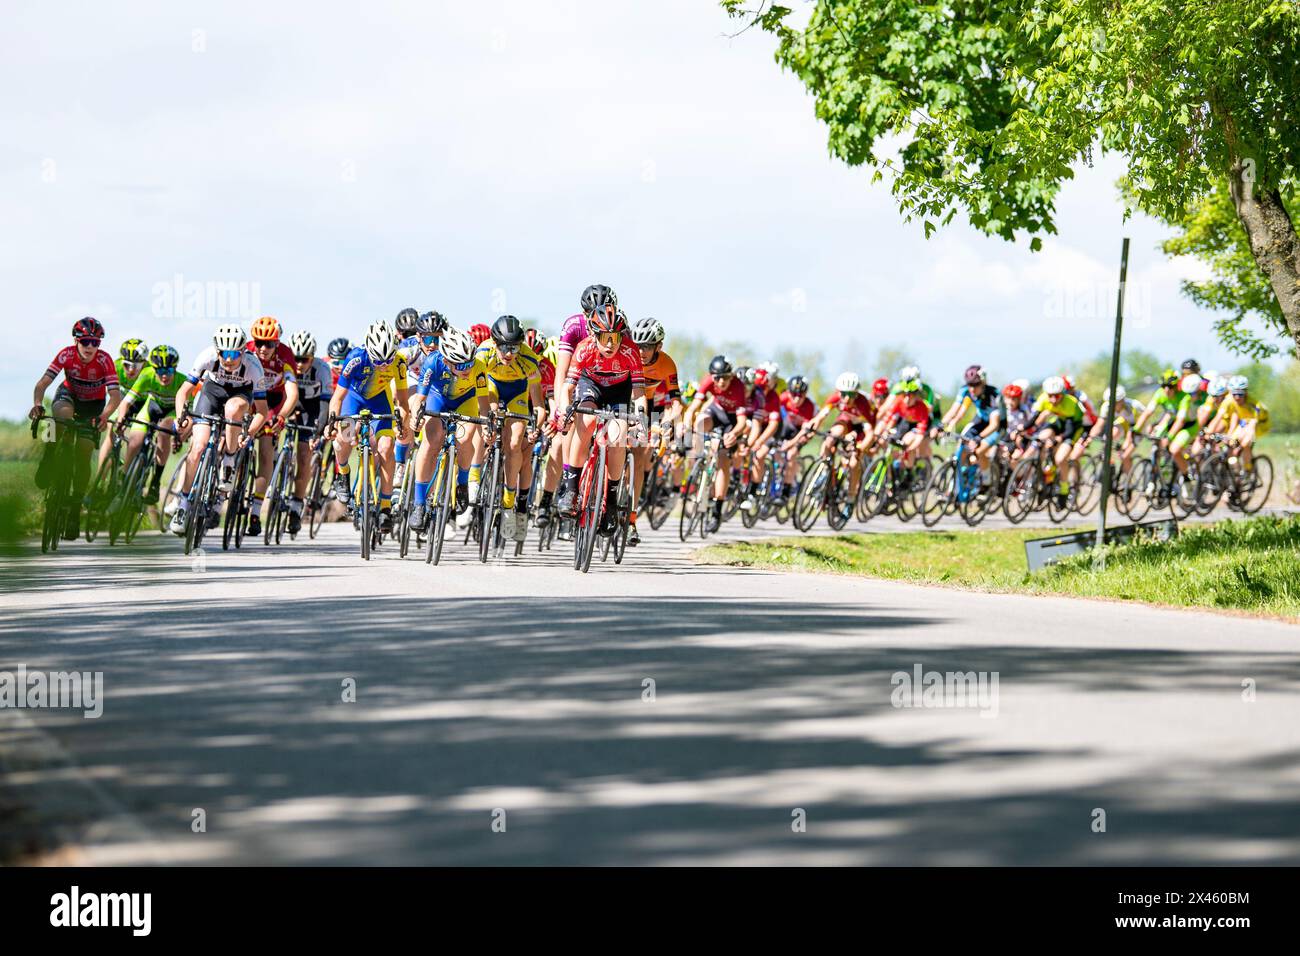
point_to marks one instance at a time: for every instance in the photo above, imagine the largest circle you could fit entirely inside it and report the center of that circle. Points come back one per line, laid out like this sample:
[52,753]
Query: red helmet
[1013,391]
[87,328]
[760,378]
[533,339]
[880,387]
[608,319]
[480,333]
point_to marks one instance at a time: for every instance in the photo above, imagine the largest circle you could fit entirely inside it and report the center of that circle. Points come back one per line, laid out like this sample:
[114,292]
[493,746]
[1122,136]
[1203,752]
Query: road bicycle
[890,487]
[205,491]
[57,502]
[826,486]
[593,498]
[1223,477]
[441,503]
[319,485]
[284,479]
[104,487]
[364,507]
[485,527]
[697,487]
[127,510]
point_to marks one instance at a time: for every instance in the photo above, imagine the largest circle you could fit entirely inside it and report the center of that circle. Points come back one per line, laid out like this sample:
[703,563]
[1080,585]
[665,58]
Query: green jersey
[124,381]
[148,387]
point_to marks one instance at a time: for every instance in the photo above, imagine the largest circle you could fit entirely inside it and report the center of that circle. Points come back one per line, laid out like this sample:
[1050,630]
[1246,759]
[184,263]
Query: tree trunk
[1272,237]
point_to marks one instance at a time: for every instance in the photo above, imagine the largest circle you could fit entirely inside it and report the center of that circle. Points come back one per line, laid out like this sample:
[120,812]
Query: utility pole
[1099,560]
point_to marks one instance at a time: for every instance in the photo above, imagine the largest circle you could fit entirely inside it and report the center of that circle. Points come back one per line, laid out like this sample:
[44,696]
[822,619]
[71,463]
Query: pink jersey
[622,366]
[572,332]
[87,381]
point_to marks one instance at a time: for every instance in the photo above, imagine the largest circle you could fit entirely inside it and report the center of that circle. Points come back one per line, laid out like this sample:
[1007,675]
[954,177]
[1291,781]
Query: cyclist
[1127,411]
[719,403]
[797,409]
[1020,420]
[337,351]
[985,428]
[908,419]
[1060,414]
[1214,395]
[454,379]
[415,348]
[1242,418]
[89,394]
[766,416]
[1183,432]
[911,373]
[132,359]
[281,398]
[854,414]
[554,464]
[370,376]
[661,385]
[405,323]
[604,373]
[514,386]
[153,399]
[1163,406]
[230,379]
[315,385]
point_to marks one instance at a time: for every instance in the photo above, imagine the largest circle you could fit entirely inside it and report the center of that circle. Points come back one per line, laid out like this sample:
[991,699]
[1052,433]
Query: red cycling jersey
[276,366]
[797,410]
[767,401]
[622,366]
[87,381]
[854,409]
[547,369]
[732,400]
[918,412]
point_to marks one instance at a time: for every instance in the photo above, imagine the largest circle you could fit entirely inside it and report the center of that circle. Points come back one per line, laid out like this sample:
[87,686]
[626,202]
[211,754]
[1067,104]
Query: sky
[332,163]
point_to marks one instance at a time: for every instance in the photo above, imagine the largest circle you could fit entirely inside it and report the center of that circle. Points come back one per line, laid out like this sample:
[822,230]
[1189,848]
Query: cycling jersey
[363,376]
[927,392]
[444,391]
[148,388]
[984,405]
[1164,403]
[86,381]
[412,349]
[918,413]
[1126,413]
[547,369]
[125,381]
[573,332]
[767,400]
[731,400]
[1019,419]
[1065,408]
[661,380]
[796,411]
[1248,410]
[854,408]
[248,375]
[278,369]
[508,381]
[317,382]
[623,366]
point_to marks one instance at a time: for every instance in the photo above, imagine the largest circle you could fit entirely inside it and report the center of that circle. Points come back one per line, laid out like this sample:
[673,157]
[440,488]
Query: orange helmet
[480,333]
[265,329]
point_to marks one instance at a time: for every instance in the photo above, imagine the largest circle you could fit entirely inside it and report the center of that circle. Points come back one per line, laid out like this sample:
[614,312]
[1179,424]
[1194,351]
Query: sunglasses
[462,366]
[266,343]
[89,343]
[429,339]
[230,355]
[165,370]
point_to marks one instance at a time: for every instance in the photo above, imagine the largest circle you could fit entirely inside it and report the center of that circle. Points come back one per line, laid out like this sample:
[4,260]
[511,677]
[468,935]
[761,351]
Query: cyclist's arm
[261,412]
[182,398]
[38,395]
[954,413]
[336,400]
[290,397]
[995,423]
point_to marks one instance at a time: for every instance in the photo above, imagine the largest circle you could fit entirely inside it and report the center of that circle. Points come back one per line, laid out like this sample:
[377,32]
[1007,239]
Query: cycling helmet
[798,385]
[880,387]
[480,333]
[719,365]
[848,382]
[1190,365]
[1219,386]
[1069,383]
[431,323]
[648,332]
[609,320]
[265,329]
[1013,391]
[745,374]
[508,332]
[381,341]
[909,387]
[133,350]
[1238,383]
[89,328]
[552,351]
[1119,391]
[1023,383]
[339,348]
[457,346]
[773,368]
[689,390]
[909,373]
[533,339]
[1054,385]
[598,297]
[303,344]
[1169,377]
[164,356]
[975,375]
[228,338]
[1191,383]
[405,322]
[761,377]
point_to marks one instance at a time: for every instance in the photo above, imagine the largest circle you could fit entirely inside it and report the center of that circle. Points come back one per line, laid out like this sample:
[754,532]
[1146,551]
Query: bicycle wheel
[196,515]
[173,490]
[875,486]
[1183,502]
[840,500]
[938,493]
[271,503]
[915,480]
[1141,489]
[363,485]
[624,499]
[103,490]
[1089,485]
[1257,484]
[489,496]
[691,500]
[315,503]
[662,497]
[811,500]
[1021,495]
[591,496]
[115,515]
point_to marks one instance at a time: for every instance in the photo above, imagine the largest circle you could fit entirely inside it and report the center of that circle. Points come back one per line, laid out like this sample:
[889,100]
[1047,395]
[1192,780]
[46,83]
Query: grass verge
[1251,566]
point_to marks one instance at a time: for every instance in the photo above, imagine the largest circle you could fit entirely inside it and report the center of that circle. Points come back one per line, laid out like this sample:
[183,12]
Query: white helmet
[1054,385]
[1024,385]
[457,346]
[847,382]
[1191,383]
[303,344]
[648,332]
[909,373]
[1219,386]
[381,341]
[1119,390]
[229,337]
[773,368]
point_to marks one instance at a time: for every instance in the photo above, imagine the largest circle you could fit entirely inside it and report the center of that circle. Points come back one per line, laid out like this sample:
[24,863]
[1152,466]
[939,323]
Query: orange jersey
[661,380]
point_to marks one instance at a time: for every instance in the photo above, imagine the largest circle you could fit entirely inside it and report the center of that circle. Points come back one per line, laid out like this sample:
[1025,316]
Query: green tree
[994,100]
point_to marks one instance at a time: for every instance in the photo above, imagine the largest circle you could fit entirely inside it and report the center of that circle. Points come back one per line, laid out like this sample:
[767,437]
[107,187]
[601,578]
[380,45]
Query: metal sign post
[1099,560]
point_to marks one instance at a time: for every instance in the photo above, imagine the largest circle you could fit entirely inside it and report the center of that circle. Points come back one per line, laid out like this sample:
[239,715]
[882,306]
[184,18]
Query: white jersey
[1128,410]
[316,382]
[248,374]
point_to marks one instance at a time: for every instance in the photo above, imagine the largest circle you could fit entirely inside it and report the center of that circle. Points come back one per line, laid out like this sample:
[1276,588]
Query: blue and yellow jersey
[508,381]
[362,376]
[438,377]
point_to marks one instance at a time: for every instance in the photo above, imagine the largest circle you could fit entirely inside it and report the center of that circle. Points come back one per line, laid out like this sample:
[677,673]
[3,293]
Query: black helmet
[744,373]
[508,332]
[798,385]
[431,323]
[164,356]
[1191,365]
[338,348]
[596,297]
[405,322]
[720,365]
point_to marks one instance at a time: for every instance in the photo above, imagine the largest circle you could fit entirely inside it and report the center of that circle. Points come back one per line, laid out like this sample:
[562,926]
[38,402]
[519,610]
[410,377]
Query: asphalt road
[515,693]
